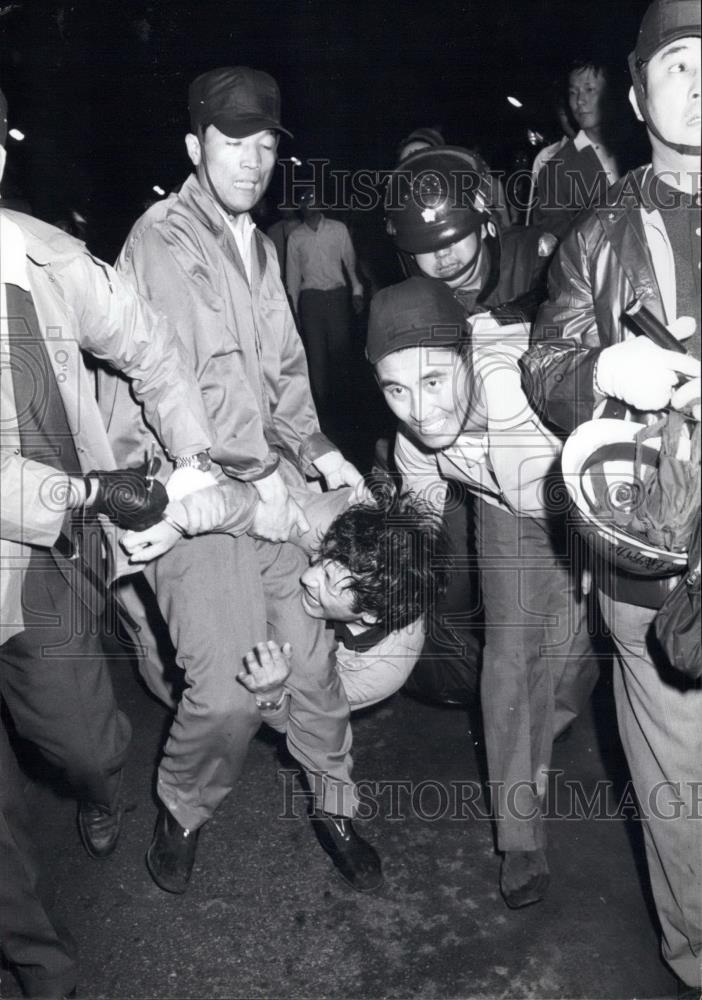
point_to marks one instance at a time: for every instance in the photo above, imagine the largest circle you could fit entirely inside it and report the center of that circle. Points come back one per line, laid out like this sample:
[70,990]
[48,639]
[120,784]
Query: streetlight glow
[159,190]
[515,102]
[15,133]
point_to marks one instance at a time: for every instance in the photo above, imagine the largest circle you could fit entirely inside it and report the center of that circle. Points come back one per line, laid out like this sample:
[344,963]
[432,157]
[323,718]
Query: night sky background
[100,88]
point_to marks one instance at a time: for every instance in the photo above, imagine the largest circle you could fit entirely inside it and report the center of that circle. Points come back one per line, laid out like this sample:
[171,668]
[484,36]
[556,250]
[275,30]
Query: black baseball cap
[418,312]
[663,22]
[237,100]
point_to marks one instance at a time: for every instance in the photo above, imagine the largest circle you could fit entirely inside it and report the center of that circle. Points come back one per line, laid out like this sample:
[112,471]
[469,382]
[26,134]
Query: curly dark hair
[397,554]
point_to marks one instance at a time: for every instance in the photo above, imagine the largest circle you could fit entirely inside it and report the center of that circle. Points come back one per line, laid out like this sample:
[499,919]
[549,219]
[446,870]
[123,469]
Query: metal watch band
[201,461]
[271,706]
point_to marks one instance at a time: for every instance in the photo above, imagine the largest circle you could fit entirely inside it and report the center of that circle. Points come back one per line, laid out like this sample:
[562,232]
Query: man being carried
[371,576]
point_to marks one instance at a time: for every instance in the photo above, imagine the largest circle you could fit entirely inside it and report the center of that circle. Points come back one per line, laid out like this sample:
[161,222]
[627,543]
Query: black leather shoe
[99,827]
[524,878]
[356,861]
[171,855]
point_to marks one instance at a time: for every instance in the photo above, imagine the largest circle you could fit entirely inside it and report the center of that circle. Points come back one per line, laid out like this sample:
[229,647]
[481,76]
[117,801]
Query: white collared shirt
[321,259]
[609,163]
[242,227]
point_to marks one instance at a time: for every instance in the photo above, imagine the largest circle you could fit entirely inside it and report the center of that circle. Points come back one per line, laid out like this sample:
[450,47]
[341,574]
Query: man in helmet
[463,417]
[440,215]
[645,245]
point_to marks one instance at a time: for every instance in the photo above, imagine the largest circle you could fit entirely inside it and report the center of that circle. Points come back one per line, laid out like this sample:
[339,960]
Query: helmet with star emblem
[435,198]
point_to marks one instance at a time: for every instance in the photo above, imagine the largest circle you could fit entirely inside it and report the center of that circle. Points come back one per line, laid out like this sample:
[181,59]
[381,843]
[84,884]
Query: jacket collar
[203,206]
[360,642]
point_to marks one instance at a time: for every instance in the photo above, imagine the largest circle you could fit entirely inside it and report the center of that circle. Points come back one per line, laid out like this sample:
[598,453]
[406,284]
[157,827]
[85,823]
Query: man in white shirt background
[320,267]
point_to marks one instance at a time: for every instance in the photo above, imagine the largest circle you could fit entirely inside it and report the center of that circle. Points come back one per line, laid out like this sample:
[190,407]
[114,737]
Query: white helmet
[599,469]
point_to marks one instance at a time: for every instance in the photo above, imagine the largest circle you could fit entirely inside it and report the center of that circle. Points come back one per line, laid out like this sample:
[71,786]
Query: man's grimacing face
[327,592]
[673,91]
[240,169]
[428,389]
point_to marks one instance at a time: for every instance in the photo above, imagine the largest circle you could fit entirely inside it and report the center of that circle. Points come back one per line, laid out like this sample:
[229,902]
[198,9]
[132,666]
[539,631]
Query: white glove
[642,374]
[688,398]
[188,480]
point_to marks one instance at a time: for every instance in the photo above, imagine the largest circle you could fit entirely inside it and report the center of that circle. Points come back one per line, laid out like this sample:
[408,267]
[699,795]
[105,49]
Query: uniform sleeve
[120,328]
[558,369]
[523,453]
[169,272]
[553,194]
[240,501]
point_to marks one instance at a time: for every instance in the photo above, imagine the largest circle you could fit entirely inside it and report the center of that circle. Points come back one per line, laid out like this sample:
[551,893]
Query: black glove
[128,498]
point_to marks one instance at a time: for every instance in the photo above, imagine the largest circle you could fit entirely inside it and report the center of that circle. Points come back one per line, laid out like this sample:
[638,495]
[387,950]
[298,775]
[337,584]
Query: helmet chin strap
[640,92]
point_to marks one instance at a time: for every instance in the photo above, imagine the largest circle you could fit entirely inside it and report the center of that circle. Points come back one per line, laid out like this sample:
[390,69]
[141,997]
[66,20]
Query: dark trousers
[449,667]
[539,668]
[220,596]
[42,954]
[56,684]
[325,317]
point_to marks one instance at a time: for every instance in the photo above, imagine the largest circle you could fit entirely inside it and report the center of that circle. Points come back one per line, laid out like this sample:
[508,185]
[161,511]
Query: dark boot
[524,878]
[171,855]
[356,861]
[100,826]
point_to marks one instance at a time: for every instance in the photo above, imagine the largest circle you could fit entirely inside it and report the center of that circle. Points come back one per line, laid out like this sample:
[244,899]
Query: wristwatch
[201,461]
[271,706]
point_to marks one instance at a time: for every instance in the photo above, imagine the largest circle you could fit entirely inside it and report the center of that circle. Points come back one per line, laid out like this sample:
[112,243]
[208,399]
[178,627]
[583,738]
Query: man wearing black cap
[463,417]
[60,484]
[198,257]
[645,244]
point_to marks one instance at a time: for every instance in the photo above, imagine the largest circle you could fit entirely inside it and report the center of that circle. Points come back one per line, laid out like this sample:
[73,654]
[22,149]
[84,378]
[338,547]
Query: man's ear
[3,157]
[369,619]
[635,104]
[192,144]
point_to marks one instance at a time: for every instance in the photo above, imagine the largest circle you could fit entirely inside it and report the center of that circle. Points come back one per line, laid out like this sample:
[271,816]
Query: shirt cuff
[265,468]
[311,449]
